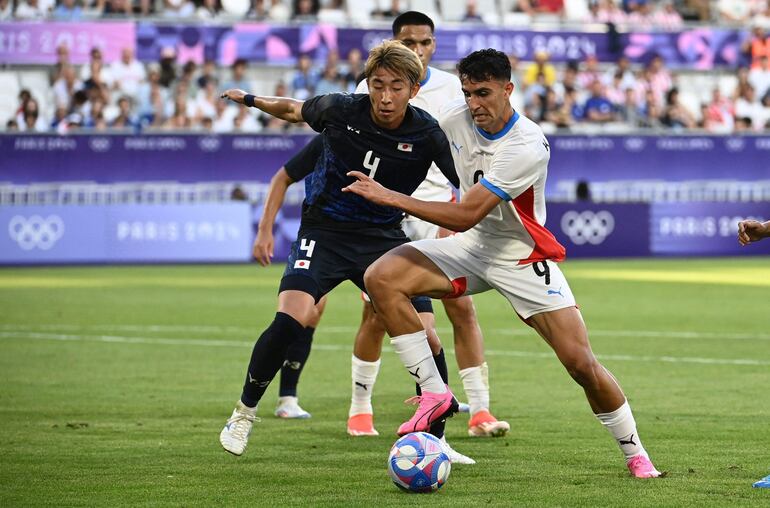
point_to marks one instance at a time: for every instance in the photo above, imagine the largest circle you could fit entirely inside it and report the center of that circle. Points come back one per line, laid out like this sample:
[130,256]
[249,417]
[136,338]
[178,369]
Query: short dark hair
[484,65]
[411,18]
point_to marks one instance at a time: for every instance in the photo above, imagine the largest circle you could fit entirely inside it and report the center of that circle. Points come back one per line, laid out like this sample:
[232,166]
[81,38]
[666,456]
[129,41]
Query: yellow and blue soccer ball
[418,463]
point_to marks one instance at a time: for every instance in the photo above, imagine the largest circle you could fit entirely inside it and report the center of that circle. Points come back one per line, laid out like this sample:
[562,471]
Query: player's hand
[751,231]
[368,188]
[234,94]
[263,247]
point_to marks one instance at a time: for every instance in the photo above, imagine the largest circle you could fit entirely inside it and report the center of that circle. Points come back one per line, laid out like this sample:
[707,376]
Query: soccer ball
[418,463]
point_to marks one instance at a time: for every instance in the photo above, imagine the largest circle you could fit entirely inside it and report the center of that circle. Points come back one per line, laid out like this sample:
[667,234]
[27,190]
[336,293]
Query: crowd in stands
[174,95]
[641,14]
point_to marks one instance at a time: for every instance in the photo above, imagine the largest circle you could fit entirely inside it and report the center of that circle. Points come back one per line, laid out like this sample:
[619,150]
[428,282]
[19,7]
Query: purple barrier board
[601,230]
[182,158]
[201,158]
[36,42]
[125,233]
[664,158]
[704,229]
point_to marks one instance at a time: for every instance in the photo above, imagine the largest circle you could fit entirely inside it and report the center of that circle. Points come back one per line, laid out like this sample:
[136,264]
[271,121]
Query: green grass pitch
[115,383]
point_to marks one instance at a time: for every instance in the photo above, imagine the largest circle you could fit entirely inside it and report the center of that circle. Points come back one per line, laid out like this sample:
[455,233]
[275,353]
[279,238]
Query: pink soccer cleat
[641,467]
[432,408]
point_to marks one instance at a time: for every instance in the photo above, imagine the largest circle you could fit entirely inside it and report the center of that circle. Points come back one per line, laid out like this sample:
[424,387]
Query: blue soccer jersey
[398,159]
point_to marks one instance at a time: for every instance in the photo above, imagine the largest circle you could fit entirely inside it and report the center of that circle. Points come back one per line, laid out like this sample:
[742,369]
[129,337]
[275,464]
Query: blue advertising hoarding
[125,233]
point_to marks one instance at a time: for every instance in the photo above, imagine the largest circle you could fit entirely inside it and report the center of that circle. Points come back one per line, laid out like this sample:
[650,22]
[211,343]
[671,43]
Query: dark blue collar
[502,131]
[427,77]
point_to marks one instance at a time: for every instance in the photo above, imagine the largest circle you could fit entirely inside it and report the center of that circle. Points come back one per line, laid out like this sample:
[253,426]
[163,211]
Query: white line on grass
[348,348]
[350,330]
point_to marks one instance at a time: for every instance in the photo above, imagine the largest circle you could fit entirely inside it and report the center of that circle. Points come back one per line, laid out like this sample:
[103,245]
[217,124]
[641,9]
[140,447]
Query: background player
[502,158]
[341,234]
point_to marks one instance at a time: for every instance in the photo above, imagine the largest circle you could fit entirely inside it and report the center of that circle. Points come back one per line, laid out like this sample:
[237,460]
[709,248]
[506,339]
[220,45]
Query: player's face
[419,38]
[389,94]
[488,102]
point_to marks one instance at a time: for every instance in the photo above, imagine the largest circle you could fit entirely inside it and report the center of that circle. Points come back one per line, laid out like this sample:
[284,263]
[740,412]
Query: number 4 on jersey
[371,164]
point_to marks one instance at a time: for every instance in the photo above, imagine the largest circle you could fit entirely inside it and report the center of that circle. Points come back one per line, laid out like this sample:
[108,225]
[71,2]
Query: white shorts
[531,288]
[417,229]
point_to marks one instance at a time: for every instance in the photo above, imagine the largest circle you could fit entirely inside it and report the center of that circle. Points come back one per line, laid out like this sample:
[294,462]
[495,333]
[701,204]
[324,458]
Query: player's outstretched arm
[284,108]
[264,244]
[752,231]
[474,206]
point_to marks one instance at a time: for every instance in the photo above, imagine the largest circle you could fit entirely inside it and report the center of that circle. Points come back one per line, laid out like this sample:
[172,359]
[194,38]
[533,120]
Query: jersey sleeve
[512,171]
[303,163]
[442,156]
[318,110]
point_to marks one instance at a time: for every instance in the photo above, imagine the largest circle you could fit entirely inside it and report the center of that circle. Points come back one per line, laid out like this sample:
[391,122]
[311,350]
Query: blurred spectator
[641,18]
[225,115]
[540,67]
[659,78]
[11,126]
[694,10]
[534,96]
[354,69]
[762,16]
[567,82]
[759,77]
[279,11]
[750,114]
[24,97]
[615,91]
[62,61]
[128,73]
[305,10]
[208,9]
[6,13]
[65,87]
[180,119]
[167,66]
[268,121]
[649,111]
[208,73]
[330,81]
[718,115]
[605,11]
[114,8]
[516,78]
[734,11]
[393,11]
[540,7]
[675,114]
[30,9]
[583,191]
[238,76]
[95,69]
[471,15]
[628,110]
[667,17]
[178,9]
[589,73]
[238,194]
[304,79]
[598,108]
[757,46]
[29,119]
[245,121]
[622,66]
[68,10]
[206,99]
[333,11]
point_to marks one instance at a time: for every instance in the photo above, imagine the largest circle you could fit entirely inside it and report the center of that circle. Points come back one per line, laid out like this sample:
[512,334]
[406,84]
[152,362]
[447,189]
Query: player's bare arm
[752,231]
[264,244]
[284,108]
[472,208]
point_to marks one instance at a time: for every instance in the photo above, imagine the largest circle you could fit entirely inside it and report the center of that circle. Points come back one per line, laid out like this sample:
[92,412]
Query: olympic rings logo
[587,226]
[36,232]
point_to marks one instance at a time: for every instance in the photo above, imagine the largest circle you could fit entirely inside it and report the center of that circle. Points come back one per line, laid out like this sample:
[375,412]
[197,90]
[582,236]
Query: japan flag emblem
[302,263]
[405,147]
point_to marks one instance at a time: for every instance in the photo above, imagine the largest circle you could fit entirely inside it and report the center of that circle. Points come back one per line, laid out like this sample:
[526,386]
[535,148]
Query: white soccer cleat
[288,407]
[462,407]
[455,457]
[235,436]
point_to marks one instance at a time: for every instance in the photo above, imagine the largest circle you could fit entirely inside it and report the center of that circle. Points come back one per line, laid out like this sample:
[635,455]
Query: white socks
[415,354]
[620,423]
[364,376]
[476,384]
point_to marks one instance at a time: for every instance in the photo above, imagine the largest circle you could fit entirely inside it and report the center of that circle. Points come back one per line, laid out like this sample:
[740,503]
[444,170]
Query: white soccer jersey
[513,164]
[437,88]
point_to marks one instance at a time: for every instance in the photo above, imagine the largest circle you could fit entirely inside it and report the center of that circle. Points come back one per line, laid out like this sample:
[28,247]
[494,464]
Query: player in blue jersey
[341,234]
[502,159]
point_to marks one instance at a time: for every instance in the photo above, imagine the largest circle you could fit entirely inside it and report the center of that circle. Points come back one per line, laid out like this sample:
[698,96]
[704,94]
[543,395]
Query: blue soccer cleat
[764,483]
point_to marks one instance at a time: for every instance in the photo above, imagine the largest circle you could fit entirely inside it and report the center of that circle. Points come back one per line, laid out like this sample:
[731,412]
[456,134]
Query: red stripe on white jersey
[546,245]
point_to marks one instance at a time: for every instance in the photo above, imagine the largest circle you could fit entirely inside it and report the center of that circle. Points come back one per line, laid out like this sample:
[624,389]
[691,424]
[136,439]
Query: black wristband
[248,100]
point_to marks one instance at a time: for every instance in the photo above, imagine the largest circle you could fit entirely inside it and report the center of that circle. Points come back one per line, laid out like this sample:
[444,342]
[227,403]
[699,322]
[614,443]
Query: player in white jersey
[415,30]
[502,160]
